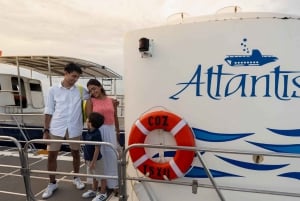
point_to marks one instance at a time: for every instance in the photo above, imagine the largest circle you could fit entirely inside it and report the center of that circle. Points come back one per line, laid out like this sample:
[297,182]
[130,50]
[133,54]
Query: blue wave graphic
[288,148]
[291,133]
[217,137]
[293,175]
[166,154]
[199,172]
[171,154]
[252,166]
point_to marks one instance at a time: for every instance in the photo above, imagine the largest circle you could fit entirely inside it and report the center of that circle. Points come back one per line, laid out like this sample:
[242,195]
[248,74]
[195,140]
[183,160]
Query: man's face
[71,78]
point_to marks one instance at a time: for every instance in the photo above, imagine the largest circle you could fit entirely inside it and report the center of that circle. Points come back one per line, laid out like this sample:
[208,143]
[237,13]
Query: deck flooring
[12,184]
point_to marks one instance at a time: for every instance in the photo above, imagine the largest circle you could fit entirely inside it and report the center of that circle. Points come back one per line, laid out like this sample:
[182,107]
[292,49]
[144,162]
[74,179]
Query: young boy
[92,153]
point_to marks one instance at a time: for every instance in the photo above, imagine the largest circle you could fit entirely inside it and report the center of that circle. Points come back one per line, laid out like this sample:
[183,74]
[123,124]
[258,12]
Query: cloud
[94,29]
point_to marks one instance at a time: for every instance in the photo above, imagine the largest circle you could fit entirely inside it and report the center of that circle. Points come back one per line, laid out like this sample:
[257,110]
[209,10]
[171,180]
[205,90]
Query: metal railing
[122,162]
[26,171]
[24,167]
[194,183]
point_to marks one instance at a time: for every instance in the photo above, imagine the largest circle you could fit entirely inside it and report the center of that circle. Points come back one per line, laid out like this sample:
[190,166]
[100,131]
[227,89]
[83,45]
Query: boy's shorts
[99,169]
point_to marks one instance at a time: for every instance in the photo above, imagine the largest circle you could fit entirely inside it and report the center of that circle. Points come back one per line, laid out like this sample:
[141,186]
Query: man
[63,120]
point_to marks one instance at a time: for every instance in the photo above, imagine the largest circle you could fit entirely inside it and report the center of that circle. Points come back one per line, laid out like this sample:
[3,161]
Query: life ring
[180,163]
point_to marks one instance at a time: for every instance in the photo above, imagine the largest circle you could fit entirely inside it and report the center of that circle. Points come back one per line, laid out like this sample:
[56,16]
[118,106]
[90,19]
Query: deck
[12,183]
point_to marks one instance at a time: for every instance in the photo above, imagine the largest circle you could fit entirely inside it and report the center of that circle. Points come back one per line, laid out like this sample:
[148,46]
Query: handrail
[122,165]
[23,134]
[45,141]
[25,171]
[24,167]
[21,114]
[198,150]
[175,148]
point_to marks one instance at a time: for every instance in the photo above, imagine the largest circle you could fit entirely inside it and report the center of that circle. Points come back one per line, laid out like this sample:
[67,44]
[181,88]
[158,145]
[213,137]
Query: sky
[94,29]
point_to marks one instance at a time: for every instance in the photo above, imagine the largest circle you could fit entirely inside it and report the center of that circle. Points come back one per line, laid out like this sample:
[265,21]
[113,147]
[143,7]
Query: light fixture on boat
[145,47]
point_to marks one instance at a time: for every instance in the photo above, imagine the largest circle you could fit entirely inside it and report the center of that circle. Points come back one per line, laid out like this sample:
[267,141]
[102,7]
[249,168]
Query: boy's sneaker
[89,194]
[78,183]
[100,197]
[49,190]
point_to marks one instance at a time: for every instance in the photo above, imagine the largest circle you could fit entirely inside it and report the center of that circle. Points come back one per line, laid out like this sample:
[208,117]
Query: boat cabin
[22,99]
[24,94]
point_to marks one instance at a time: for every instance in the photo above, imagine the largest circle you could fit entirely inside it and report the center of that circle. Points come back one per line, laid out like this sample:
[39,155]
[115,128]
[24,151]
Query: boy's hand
[92,165]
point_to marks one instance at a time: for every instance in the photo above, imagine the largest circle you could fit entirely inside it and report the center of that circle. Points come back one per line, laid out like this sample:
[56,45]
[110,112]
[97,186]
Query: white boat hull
[250,108]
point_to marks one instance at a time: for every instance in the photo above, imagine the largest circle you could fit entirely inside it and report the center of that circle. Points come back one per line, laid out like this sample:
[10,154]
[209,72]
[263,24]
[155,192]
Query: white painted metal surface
[235,79]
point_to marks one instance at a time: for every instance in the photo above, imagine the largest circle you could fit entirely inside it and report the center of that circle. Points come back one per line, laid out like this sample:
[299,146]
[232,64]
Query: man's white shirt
[65,106]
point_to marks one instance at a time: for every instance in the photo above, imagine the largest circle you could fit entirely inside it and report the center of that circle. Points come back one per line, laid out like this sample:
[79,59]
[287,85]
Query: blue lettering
[197,83]
[297,84]
[242,84]
[283,85]
[255,80]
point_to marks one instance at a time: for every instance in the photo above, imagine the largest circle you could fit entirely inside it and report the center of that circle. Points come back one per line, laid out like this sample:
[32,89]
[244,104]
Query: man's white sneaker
[49,190]
[78,183]
[100,197]
[89,194]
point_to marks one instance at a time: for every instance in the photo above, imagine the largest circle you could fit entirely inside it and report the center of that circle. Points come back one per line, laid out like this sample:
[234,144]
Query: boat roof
[54,65]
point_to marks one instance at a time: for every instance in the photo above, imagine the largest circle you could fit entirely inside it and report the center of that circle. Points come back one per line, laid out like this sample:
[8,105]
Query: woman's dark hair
[71,67]
[96,83]
[96,119]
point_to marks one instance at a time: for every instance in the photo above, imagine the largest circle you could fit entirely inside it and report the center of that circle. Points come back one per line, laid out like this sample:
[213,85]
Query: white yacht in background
[22,98]
[203,77]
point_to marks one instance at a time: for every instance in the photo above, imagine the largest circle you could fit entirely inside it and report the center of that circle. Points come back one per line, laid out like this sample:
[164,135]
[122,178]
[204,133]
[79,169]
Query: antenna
[229,9]
[177,17]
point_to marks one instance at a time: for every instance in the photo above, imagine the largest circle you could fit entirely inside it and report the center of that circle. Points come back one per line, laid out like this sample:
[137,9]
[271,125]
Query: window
[16,88]
[35,87]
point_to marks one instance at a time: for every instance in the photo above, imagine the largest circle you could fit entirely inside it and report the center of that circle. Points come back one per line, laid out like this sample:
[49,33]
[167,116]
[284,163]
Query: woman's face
[95,91]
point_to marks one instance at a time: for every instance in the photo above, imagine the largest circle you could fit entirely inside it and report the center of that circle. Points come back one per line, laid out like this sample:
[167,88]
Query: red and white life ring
[180,163]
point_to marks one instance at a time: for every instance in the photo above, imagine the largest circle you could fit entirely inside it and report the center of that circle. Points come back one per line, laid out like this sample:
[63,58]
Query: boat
[244,121]
[255,59]
[22,98]
[21,122]
[196,128]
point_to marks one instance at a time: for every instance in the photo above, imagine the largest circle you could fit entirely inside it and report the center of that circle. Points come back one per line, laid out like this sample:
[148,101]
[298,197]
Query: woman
[110,132]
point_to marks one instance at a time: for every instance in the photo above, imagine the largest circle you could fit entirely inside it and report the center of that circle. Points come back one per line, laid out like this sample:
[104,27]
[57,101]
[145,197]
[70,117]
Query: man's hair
[96,119]
[71,67]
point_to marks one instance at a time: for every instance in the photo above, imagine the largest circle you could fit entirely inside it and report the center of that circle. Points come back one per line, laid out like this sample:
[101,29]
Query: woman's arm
[88,107]
[117,126]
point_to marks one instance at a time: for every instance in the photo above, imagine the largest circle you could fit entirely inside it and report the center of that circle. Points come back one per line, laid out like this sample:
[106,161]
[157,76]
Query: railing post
[24,167]
[122,179]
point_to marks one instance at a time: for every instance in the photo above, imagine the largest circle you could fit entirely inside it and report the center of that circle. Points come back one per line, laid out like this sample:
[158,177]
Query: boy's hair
[71,67]
[96,119]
